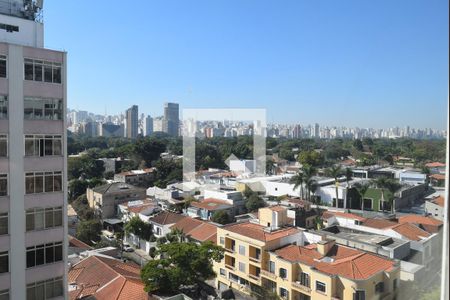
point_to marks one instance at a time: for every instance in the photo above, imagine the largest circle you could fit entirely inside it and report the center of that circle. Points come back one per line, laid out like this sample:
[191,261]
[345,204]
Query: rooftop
[434,165]
[259,232]
[439,201]
[340,260]
[138,206]
[328,214]
[212,204]
[197,229]
[166,218]
[116,187]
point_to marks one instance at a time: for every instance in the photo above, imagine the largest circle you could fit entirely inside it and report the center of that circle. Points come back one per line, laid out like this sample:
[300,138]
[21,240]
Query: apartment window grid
[359,295]
[272,267]
[4,295]
[43,182]
[47,289]
[321,287]
[223,272]
[4,262]
[3,185]
[3,107]
[304,279]
[284,294]
[43,145]
[241,250]
[4,223]
[43,218]
[36,108]
[283,273]
[40,70]
[3,66]
[3,145]
[242,267]
[44,254]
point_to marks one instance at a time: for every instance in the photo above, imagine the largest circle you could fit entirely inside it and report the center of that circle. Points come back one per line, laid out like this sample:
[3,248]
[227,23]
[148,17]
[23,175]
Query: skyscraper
[132,122]
[171,122]
[33,190]
[148,126]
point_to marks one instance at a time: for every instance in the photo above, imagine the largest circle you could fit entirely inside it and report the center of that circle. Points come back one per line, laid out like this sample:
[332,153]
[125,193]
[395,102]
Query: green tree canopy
[221,217]
[89,231]
[138,227]
[254,202]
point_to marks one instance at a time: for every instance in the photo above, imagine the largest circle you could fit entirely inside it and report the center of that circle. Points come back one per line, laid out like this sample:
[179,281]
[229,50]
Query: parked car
[127,247]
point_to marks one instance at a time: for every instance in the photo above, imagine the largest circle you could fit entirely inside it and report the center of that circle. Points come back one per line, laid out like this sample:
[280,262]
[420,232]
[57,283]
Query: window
[42,109]
[43,145]
[223,272]
[38,70]
[284,293]
[241,267]
[283,273]
[321,287]
[45,289]
[4,262]
[44,254]
[395,284]
[3,145]
[304,279]
[272,267]
[233,277]
[2,66]
[39,182]
[3,107]
[241,250]
[3,185]
[359,295]
[40,218]
[379,287]
[4,295]
[3,223]
[222,240]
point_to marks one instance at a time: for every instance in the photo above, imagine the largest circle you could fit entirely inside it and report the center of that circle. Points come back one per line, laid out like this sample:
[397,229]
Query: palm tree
[393,186]
[362,191]
[297,181]
[312,187]
[308,173]
[348,177]
[382,183]
[335,172]
[270,166]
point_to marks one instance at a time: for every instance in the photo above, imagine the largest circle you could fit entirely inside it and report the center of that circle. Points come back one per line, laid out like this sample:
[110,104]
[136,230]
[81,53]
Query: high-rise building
[132,122]
[33,189]
[171,118]
[148,125]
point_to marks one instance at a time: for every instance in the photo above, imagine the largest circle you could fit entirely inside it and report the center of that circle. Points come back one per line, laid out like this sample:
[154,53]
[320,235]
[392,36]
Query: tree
[139,228]
[297,181]
[254,202]
[392,186]
[183,264]
[382,183]
[221,217]
[77,188]
[335,172]
[312,187]
[310,157]
[270,167]
[89,231]
[362,190]
[348,177]
[176,235]
[308,172]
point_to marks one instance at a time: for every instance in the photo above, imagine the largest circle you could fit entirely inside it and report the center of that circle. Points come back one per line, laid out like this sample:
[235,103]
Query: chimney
[323,247]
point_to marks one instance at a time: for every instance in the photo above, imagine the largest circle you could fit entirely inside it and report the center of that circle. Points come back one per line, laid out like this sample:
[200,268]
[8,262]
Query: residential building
[33,190]
[105,198]
[142,209]
[105,278]
[171,123]
[162,222]
[436,167]
[197,230]
[435,207]
[148,126]
[206,208]
[132,122]
[111,130]
[136,177]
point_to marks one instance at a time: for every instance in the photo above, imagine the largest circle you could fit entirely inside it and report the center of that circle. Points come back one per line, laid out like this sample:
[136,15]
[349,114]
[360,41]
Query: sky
[358,63]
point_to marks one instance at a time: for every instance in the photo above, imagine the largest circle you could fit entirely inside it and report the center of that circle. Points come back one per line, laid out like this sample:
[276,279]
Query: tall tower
[171,118]
[132,122]
[33,177]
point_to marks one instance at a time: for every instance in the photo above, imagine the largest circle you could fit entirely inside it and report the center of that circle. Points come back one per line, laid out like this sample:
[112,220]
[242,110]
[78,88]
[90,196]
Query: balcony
[268,274]
[229,267]
[297,285]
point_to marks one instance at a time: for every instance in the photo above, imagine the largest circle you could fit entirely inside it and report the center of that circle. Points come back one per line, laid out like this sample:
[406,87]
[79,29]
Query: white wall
[30,33]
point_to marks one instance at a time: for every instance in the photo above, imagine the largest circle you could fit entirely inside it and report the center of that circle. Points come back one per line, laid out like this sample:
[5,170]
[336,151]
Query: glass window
[321,287]
[241,250]
[4,262]
[3,185]
[58,252]
[28,108]
[359,295]
[241,267]
[37,71]
[58,217]
[284,293]
[29,184]
[48,74]
[40,255]
[271,266]
[223,272]
[30,220]
[304,279]
[4,223]
[49,289]
[57,73]
[283,273]
[58,287]
[3,107]
[48,182]
[39,182]
[48,146]
[4,295]
[57,146]
[57,183]
[31,261]
[28,69]
[40,108]
[40,291]
[3,145]
[379,287]
[39,220]
[49,254]
[3,66]
[49,218]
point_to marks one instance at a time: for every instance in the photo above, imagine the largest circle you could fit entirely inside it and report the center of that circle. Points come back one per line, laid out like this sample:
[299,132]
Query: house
[72,219]
[436,167]
[437,180]
[136,177]
[197,230]
[104,199]
[162,222]
[137,208]
[205,209]
[102,277]
[435,207]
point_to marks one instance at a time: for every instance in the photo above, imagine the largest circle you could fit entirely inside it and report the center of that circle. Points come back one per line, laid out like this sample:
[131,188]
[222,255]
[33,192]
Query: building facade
[33,191]
[171,121]
[132,122]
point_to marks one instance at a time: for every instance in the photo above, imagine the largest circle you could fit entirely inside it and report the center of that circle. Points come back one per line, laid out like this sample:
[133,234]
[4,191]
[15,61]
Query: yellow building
[273,257]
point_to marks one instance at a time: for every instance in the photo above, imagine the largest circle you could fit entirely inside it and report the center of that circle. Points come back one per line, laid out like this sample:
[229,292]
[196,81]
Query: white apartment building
[33,203]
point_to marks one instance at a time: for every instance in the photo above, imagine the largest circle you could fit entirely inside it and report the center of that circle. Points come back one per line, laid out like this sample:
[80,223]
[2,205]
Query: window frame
[4,139]
[4,58]
[4,107]
[5,179]
[4,216]
[38,70]
[318,283]
[4,254]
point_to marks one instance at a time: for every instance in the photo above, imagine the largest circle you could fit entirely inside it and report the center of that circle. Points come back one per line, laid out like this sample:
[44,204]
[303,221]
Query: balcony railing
[253,276]
[299,286]
[255,259]
[268,274]
[229,267]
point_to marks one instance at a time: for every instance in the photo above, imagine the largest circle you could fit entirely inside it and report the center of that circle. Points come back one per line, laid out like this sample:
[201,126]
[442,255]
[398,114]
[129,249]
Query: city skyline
[362,62]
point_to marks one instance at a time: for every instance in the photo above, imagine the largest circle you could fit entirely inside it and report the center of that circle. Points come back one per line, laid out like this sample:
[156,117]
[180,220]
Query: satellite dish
[40,3]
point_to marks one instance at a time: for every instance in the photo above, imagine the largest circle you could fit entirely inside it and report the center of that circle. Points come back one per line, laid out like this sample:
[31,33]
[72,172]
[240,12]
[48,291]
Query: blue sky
[354,63]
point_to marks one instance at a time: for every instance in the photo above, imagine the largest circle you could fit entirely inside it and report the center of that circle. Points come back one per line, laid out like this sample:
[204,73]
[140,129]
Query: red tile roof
[277,208]
[137,208]
[346,262]
[166,218]
[76,243]
[437,176]
[211,204]
[379,223]
[257,232]
[198,230]
[439,201]
[411,231]
[328,214]
[106,278]
[434,165]
[422,220]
